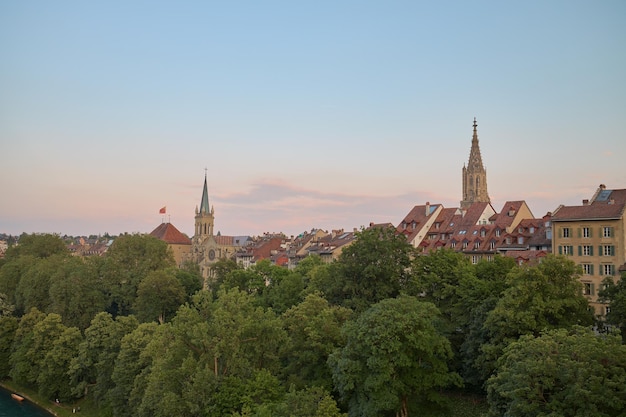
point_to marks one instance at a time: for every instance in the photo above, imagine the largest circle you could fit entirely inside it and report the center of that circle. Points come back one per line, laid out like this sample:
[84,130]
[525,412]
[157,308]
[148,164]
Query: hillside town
[592,234]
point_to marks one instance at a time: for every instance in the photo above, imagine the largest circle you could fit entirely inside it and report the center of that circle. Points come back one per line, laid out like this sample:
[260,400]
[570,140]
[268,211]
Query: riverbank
[81,408]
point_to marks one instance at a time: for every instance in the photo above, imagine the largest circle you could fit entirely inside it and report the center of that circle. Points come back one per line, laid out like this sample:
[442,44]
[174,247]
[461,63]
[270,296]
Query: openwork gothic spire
[474,176]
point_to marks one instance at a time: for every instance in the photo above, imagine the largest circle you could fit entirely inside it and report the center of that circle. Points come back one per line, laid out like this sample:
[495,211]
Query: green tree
[308,402]
[614,293]
[439,278]
[543,297]
[38,246]
[190,278]
[10,276]
[24,355]
[8,328]
[127,262]
[479,295]
[563,372]
[314,329]
[33,289]
[158,296]
[90,371]
[76,292]
[394,361]
[129,365]
[53,379]
[374,267]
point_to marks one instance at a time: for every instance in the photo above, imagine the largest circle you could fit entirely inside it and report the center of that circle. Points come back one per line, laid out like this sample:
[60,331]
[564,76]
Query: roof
[170,235]
[606,204]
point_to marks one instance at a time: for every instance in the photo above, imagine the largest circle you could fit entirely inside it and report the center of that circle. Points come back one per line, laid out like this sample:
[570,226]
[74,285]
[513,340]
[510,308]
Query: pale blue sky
[325,114]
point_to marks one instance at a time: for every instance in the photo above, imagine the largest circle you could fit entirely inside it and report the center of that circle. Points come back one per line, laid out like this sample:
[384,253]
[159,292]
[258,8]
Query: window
[464,245]
[520,240]
[497,232]
[566,250]
[607,310]
[520,230]
[587,288]
[482,233]
[475,259]
[607,231]
[492,244]
[508,240]
[586,232]
[490,258]
[587,269]
[565,232]
[608,250]
[453,244]
[587,250]
[608,269]
[437,225]
[476,245]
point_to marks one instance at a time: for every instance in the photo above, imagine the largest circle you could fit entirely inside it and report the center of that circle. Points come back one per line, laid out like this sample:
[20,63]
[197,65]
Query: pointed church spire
[474,175]
[204,203]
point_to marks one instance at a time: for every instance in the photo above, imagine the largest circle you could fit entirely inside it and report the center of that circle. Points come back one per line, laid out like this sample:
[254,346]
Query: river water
[11,408]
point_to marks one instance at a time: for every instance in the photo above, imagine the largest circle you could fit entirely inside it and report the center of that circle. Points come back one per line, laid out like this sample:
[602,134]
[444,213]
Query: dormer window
[520,240]
[483,232]
[497,232]
[403,225]
[476,245]
[437,225]
[492,244]
[464,244]
[531,229]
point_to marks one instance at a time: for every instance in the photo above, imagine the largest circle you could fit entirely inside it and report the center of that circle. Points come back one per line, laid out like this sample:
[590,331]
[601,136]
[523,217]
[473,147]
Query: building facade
[593,235]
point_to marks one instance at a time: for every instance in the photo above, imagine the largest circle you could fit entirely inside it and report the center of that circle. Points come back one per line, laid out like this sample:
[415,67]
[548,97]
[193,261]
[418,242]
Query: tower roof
[475,159]
[170,234]
[204,203]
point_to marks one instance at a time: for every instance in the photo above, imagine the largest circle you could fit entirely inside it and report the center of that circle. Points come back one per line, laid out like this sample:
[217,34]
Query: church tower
[474,176]
[204,216]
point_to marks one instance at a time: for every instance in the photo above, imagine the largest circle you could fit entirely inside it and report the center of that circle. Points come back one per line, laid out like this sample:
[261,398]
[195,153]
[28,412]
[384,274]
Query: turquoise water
[11,408]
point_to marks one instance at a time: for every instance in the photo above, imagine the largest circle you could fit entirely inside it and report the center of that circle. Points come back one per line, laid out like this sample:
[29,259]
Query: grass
[86,407]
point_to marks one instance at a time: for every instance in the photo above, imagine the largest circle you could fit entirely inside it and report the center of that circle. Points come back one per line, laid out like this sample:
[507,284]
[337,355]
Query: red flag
[162,211]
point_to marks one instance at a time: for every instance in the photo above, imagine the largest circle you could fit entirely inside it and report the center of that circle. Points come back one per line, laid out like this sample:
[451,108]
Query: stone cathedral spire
[474,176]
[204,216]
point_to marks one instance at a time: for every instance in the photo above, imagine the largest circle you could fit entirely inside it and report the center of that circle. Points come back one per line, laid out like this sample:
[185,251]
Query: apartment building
[593,235]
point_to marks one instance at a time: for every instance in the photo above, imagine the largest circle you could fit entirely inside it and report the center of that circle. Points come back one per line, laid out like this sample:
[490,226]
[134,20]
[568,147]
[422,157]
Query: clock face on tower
[211,254]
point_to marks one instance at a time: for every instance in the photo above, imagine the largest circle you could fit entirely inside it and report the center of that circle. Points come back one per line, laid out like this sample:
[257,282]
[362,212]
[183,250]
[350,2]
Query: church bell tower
[204,216]
[474,176]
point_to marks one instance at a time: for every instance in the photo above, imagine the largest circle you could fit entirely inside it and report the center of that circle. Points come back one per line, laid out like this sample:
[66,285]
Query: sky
[302,114]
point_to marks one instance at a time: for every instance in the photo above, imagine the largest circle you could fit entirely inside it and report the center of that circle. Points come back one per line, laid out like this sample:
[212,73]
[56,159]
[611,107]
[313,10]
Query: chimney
[427,208]
[585,202]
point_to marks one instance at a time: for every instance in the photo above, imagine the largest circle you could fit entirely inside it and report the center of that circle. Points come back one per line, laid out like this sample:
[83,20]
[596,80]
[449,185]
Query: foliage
[76,292]
[91,369]
[309,402]
[23,354]
[394,361]
[478,296]
[562,372]
[38,246]
[127,262]
[374,267]
[314,329]
[53,380]
[543,297]
[159,295]
[615,294]
[439,278]
[8,328]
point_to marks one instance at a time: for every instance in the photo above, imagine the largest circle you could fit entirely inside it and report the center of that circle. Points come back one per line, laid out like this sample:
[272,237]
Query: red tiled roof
[170,234]
[611,207]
